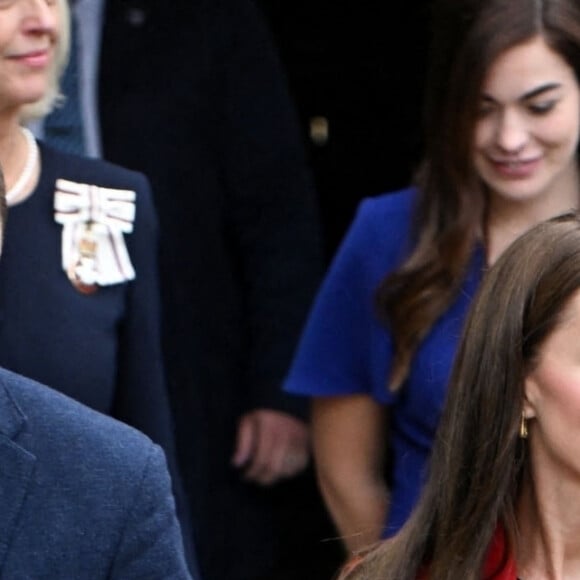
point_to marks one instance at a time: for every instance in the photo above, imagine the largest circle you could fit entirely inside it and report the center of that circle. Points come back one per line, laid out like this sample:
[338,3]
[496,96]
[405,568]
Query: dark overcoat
[191,93]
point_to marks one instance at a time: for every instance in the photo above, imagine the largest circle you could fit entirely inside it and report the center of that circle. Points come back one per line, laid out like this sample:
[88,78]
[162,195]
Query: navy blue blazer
[101,349]
[81,495]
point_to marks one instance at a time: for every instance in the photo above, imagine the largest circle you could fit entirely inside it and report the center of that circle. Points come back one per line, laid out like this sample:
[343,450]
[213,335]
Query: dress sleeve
[151,545]
[344,349]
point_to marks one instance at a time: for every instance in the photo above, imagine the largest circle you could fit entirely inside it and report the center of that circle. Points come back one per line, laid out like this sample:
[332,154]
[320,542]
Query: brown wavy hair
[479,460]
[449,216]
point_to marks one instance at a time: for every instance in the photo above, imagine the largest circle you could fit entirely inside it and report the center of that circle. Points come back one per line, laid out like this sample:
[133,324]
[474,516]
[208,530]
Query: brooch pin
[94,220]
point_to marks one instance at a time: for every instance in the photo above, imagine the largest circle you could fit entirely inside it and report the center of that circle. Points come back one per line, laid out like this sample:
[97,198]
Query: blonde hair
[53,96]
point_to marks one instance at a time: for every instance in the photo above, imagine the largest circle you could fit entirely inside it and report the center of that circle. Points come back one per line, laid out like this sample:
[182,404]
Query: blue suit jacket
[81,495]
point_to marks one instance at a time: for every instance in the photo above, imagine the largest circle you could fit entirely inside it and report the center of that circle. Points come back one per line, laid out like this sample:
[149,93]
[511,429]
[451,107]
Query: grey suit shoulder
[81,495]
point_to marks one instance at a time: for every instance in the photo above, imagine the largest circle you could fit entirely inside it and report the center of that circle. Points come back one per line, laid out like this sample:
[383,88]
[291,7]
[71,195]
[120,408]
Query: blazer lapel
[16,469]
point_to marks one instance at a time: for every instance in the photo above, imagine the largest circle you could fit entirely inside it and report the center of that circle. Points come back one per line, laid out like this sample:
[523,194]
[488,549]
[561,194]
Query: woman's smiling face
[28,35]
[527,131]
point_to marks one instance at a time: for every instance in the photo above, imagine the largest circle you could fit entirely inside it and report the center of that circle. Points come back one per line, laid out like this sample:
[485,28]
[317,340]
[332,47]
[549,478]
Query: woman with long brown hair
[503,495]
[501,138]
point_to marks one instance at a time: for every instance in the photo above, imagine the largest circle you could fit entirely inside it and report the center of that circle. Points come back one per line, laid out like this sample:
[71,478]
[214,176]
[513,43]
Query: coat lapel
[16,469]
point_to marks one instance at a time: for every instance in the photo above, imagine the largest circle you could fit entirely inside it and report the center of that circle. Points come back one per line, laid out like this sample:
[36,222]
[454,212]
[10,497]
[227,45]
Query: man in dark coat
[192,95]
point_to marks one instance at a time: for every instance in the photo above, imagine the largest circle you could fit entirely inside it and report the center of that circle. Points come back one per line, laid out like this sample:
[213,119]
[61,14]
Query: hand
[271,446]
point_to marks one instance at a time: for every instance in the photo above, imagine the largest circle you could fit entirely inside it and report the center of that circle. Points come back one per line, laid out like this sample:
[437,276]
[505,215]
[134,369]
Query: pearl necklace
[26,175]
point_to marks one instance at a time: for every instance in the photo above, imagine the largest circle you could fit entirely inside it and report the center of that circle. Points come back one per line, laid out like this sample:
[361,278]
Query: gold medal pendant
[83,274]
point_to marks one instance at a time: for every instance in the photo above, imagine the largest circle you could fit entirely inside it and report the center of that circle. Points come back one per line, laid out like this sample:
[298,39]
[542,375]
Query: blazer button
[319,130]
[135,17]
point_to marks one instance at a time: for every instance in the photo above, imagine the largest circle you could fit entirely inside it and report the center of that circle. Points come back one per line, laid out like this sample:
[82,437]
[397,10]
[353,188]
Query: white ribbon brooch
[94,220]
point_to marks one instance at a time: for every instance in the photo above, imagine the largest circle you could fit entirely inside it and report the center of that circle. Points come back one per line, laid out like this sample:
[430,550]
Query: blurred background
[355,72]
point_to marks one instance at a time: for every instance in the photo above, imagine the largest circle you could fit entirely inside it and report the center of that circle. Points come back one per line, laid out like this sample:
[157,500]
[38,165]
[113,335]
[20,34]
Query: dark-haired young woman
[501,134]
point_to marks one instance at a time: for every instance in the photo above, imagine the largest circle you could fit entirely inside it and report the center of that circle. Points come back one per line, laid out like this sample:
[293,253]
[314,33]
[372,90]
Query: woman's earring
[523,427]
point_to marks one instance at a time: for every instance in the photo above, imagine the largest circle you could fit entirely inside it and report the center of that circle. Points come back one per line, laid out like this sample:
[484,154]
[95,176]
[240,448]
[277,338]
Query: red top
[499,565]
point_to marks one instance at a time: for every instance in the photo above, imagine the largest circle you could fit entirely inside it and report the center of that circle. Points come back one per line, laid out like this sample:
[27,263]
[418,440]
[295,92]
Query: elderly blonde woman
[78,277]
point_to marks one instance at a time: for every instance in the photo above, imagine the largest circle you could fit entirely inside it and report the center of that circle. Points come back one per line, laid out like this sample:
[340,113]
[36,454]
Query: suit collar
[12,417]
[16,465]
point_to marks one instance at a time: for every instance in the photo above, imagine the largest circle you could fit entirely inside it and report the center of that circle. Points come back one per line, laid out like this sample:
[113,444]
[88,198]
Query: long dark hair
[468,36]
[479,459]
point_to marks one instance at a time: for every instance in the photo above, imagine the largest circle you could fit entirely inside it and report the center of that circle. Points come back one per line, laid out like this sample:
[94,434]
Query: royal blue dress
[344,349]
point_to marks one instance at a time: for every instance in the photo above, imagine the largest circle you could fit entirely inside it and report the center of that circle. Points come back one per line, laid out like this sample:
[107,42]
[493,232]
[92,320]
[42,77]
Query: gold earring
[523,427]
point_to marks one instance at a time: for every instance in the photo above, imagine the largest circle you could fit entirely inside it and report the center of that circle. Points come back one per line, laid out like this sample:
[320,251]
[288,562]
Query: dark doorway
[356,73]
